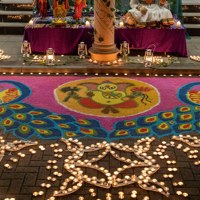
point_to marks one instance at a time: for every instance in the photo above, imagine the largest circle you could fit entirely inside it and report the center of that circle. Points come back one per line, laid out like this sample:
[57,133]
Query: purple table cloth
[66,40]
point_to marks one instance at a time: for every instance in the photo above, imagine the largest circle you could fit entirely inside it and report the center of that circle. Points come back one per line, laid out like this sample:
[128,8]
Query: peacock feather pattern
[26,121]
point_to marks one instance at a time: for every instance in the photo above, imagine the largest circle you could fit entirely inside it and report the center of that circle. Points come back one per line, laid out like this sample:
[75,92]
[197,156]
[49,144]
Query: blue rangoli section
[26,121]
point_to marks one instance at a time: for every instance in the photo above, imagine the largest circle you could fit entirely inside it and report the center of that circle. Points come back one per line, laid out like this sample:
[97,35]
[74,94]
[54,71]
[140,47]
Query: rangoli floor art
[99,138]
[109,108]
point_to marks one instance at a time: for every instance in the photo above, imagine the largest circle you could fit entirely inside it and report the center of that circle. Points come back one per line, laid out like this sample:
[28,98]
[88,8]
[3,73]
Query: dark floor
[26,176]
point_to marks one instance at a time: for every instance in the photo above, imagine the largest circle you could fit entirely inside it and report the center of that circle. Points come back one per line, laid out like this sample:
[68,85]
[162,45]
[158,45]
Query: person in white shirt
[148,12]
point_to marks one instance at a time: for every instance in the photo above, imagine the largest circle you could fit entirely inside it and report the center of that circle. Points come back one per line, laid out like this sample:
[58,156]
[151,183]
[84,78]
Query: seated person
[148,12]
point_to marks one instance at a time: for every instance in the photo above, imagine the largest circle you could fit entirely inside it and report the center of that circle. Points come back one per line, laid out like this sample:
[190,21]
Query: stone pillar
[104,48]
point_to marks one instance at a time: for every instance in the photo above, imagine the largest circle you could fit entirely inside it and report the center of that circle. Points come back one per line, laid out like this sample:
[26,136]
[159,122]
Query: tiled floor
[27,175]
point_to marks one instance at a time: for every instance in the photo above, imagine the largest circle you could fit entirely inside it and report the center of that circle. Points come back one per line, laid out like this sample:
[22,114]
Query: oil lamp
[50,56]
[82,50]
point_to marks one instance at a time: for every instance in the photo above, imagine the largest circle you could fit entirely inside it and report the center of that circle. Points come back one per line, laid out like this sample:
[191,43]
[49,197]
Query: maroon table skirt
[66,40]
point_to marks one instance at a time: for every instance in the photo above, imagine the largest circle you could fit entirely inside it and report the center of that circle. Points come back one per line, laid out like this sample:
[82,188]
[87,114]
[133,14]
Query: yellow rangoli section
[108,97]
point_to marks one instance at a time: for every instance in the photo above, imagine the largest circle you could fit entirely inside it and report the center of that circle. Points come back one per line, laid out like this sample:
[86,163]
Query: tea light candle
[179,193]
[121,195]
[41,193]
[35,194]
[134,196]
[93,194]
[87,24]
[185,194]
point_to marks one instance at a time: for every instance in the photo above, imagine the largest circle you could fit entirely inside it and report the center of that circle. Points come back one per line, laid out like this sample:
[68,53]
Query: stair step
[196,26]
[16,2]
[12,24]
[190,2]
[192,14]
[8,12]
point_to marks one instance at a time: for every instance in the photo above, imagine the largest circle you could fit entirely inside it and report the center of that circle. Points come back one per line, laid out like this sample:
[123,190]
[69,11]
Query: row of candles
[121,24]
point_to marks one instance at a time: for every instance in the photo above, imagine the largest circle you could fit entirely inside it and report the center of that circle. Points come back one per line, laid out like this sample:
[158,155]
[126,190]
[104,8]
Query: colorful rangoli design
[190,93]
[12,91]
[25,120]
[108,97]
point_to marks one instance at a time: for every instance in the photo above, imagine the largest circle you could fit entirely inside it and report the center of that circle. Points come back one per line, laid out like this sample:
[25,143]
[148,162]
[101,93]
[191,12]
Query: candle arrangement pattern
[144,165]
[74,163]
[14,146]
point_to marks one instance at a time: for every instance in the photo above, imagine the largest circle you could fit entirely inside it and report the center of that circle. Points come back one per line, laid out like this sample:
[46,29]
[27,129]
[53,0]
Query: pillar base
[104,57]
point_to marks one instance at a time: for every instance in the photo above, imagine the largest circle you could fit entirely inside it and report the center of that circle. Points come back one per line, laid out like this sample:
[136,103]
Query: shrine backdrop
[122,6]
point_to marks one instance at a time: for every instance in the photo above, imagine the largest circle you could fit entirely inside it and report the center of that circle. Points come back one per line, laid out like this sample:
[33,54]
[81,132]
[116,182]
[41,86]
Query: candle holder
[26,48]
[124,50]
[82,50]
[148,58]
[50,56]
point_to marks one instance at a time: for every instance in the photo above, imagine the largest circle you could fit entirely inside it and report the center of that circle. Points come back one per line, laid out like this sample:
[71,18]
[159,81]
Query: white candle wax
[87,24]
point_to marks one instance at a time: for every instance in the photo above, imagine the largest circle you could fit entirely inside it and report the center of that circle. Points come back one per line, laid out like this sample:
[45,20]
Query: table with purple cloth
[66,40]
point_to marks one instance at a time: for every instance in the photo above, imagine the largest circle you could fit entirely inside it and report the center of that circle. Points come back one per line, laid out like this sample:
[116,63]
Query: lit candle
[178,24]
[87,24]
[121,24]
[31,22]
[121,195]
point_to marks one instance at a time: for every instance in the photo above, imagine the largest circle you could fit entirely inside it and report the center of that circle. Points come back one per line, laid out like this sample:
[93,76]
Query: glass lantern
[148,58]
[26,48]
[124,50]
[82,50]
[50,56]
